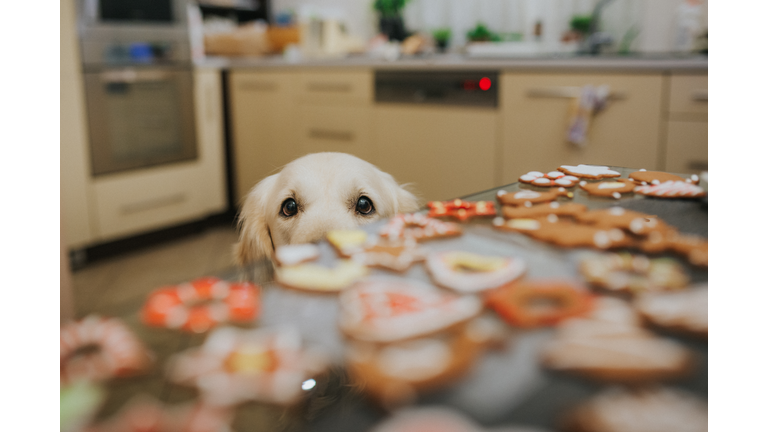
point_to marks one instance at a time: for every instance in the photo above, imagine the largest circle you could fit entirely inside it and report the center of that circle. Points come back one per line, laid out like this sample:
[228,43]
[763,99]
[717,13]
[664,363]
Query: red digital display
[485,83]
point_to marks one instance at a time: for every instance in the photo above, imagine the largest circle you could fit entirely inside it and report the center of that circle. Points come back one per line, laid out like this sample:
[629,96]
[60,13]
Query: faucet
[596,39]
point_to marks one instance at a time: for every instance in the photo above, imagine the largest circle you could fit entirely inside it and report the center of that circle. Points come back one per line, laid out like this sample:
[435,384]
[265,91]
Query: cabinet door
[262,112]
[536,108]
[687,147]
[443,152]
[688,97]
[335,129]
[338,87]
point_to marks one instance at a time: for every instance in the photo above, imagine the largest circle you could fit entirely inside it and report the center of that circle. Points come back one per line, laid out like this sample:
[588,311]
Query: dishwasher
[438,130]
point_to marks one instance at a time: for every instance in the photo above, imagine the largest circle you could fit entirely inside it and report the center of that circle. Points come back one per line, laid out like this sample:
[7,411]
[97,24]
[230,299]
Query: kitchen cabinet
[444,152]
[535,111]
[686,144]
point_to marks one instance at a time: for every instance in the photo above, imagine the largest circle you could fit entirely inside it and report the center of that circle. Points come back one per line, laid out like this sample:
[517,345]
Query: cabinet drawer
[335,88]
[335,129]
[688,95]
[687,147]
[536,110]
[133,203]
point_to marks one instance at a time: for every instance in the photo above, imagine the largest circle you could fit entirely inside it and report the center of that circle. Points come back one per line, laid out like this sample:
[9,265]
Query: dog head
[312,195]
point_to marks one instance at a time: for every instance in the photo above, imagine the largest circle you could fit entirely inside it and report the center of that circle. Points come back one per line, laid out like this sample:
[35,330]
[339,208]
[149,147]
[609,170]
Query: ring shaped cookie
[97,348]
[530,304]
[202,304]
[468,273]
[633,273]
[314,277]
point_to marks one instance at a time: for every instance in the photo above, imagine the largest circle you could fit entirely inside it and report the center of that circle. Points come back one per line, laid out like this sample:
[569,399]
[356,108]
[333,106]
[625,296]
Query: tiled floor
[116,285]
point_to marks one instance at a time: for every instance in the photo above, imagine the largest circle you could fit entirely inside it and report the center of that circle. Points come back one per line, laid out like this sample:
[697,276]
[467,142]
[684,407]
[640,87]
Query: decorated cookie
[589,171]
[347,242]
[543,210]
[610,345]
[633,273]
[429,419]
[80,401]
[617,217]
[639,410]
[468,272]
[693,247]
[461,210]
[202,304]
[682,311]
[528,198]
[536,303]
[552,178]
[235,365]
[314,277]
[97,348]
[387,310]
[396,255]
[418,227]
[643,177]
[289,255]
[565,234]
[671,189]
[610,188]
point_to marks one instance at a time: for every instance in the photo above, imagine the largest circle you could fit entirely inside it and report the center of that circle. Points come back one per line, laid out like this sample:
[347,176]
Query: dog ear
[255,240]
[405,202]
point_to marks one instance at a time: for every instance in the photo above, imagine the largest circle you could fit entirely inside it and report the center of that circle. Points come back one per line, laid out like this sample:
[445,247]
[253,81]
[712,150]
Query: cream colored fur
[326,187]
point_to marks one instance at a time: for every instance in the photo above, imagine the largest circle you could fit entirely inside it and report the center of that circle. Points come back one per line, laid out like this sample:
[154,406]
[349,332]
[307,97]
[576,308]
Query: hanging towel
[591,101]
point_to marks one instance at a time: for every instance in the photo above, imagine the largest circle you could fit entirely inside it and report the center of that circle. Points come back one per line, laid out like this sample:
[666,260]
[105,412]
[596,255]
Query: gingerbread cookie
[671,189]
[653,409]
[617,217]
[468,272]
[461,210]
[387,310]
[612,188]
[610,346]
[418,227]
[289,255]
[314,277]
[633,273]
[566,234]
[347,241]
[396,255]
[644,177]
[528,198]
[552,178]
[543,210]
[682,311]
[589,171]
[693,247]
[431,419]
[539,303]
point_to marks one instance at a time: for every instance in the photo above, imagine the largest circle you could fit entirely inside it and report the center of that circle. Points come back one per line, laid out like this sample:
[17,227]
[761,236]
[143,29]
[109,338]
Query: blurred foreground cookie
[235,365]
[543,210]
[609,345]
[389,309]
[589,171]
[318,278]
[97,348]
[535,303]
[434,419]
[633,274]
[671,189]
[656,409]
[289,255]
[566,234]
[418,227]
[618,217]
[692,247]
[467,272]
[528,197]
[550,179]
[612,188]
[461,210]
[684,311]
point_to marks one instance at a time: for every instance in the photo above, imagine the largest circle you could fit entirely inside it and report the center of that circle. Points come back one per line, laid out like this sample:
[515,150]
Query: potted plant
[442,36]
[481,34]
[391,18]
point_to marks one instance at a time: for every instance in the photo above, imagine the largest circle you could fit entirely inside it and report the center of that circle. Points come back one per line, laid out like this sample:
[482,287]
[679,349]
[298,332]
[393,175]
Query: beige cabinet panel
[209,120]
[263,116]
[443,152]
[335,87]
[535,113]
[335,129]
[687,146]
[688,96]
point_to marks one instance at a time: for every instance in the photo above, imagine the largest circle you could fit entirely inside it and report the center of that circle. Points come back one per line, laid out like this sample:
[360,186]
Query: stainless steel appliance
[461,88]
[138,81]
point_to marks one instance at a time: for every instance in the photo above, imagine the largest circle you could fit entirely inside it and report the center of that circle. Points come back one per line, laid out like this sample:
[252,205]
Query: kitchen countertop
[569,62]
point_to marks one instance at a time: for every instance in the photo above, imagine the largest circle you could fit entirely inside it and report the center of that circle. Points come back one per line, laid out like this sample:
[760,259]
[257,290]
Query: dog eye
[364,205]
[289,208]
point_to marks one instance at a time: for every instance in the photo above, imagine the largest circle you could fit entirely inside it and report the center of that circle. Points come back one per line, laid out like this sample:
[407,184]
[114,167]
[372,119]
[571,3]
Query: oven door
[139,117]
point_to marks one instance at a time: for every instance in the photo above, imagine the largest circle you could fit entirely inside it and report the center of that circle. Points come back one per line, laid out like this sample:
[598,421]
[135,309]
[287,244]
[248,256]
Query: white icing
[295,254]
[564,182]
[655,182]
[501,192]
[554,204]
[542,181]
[528,204]
[601,239]
[670,188]
[552,218]
[528,177]
[616,211]
[695,178]
[555,174]
[582,183]
[441,264]
[610,185]
[498,221]
[616,195]
[526,194]
[643,169]
[592,170]
[524,224]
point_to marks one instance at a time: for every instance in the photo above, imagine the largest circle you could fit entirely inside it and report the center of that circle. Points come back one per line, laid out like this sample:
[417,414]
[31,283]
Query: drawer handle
[153,203]
[258,86]
[699,95]
[129,76]
[329,87]
[331,135]
[697,165]
[567,92]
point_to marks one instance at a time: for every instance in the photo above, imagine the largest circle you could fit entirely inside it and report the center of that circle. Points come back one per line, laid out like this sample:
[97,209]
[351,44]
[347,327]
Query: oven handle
[133,76]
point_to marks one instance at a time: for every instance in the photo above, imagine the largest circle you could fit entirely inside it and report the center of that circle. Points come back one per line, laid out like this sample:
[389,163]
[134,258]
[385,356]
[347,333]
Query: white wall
[655,18]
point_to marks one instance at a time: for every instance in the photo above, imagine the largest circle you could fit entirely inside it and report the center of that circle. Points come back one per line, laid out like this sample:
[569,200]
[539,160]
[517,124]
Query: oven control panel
[462,88]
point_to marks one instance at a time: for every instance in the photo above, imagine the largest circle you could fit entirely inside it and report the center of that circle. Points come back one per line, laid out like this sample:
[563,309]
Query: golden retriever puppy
[312,195]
